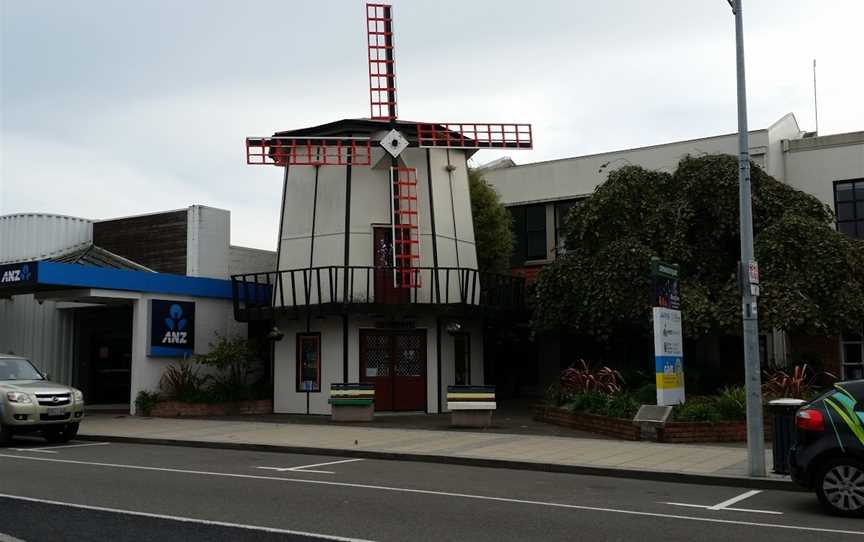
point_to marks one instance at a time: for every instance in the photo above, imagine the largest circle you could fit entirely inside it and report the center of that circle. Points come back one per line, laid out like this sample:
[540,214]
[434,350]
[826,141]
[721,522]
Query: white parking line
[305,468]
[372,487]
[183,519]
[726,505]
[50,449]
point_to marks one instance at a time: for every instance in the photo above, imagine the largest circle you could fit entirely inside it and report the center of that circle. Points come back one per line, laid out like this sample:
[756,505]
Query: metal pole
[755,434]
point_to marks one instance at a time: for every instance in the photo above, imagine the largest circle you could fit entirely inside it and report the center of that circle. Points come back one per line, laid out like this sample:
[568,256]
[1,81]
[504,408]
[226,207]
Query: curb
[612,472]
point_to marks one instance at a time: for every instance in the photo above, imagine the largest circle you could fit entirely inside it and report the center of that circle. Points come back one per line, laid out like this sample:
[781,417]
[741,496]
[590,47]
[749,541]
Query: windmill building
[376,278]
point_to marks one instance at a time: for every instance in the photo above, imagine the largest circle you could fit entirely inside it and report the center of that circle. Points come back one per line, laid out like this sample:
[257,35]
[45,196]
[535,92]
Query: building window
[308,362]
[462,357]
[529,233]
[852,356]
[849,207]
[562,209]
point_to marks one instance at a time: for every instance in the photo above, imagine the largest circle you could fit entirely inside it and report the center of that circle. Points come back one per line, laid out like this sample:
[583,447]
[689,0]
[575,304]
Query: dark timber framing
[312,240]
[347,264]
[432,224]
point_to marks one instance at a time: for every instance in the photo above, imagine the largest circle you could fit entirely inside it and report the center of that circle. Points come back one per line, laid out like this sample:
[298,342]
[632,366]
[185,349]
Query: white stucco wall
[208,234]
[814,164]
[370,206]
[213,317]
[579,176]
[288,400]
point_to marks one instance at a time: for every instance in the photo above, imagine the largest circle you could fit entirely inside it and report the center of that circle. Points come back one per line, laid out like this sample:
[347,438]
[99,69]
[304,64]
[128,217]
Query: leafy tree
[492,223]
[812,276]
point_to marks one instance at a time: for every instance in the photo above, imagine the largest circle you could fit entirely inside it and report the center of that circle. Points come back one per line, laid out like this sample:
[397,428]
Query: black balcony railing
[340,289]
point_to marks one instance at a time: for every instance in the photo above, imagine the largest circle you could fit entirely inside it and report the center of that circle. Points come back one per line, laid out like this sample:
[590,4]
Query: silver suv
[29,402]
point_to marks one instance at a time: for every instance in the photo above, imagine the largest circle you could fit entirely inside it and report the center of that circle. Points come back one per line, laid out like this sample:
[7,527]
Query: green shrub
[696,410]
[182,381]
[623,405]
[646,394]
[145,401]
[731,403]
[239,371]
[619,405]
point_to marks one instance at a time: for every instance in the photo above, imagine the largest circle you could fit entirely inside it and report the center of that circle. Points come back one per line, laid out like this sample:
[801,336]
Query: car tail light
[810,419]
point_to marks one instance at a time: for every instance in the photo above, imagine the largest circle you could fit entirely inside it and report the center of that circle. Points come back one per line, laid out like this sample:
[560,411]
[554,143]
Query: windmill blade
[309,151]
[382,77]
[474,135]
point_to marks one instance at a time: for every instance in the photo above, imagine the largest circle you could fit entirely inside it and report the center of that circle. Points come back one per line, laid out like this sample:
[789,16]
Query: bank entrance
[395,361]
[103,351]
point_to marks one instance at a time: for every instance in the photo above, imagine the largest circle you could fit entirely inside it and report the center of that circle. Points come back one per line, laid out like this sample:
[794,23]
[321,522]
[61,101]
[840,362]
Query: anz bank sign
[17,274]
[172,328]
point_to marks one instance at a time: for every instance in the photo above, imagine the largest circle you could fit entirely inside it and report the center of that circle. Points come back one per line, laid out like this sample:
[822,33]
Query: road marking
[435,493]
[50,449]
[304,468]
[7,538]
[727,504]
[183,519]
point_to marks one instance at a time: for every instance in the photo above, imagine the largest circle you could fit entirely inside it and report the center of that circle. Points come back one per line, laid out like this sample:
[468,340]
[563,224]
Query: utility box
[651,419]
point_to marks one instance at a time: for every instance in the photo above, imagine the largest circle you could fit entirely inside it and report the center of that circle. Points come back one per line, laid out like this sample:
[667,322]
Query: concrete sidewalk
[720,464]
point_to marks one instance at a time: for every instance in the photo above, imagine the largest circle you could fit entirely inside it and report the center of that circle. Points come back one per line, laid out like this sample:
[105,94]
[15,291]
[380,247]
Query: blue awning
[39,276]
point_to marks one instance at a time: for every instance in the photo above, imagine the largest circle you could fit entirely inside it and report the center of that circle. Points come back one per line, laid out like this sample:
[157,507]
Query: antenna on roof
[815,101]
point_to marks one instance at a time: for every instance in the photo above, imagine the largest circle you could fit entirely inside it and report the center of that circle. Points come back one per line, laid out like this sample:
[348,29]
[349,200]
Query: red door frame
[395,392]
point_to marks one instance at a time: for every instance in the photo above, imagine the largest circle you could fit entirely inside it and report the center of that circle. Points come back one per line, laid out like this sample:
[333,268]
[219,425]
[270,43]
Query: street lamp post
[748,270]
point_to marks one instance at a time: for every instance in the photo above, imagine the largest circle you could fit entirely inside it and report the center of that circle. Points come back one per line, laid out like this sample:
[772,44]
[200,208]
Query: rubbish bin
[783,411]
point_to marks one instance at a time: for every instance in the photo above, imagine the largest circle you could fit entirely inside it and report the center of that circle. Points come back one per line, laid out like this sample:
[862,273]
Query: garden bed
[173,409]
[673,432]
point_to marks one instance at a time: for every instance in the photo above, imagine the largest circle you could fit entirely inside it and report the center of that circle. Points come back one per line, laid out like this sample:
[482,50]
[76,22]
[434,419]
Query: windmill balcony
[330,290]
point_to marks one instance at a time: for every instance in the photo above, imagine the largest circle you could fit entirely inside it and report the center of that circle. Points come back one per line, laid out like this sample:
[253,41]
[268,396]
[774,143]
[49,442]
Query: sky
[114,108]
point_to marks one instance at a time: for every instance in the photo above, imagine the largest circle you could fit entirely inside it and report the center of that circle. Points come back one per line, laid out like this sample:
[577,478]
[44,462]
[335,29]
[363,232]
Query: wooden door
[387,289]
[409,369]
[395,361]
[376,366]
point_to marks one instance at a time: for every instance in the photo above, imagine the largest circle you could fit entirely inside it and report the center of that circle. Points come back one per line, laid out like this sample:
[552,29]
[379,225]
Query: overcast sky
[112,108]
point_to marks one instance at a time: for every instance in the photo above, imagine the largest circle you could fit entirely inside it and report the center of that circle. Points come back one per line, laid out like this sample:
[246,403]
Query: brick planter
[674,432]
[613,427]
[174,409]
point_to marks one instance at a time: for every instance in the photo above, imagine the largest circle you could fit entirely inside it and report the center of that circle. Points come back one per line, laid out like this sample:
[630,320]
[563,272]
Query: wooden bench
[352,402]
[471,406]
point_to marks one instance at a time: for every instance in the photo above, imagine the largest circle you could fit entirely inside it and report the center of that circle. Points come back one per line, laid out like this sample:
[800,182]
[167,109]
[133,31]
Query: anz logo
[175,324]
[16,275]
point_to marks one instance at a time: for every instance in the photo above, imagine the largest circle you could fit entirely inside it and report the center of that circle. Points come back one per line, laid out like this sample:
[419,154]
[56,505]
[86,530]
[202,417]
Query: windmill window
[309,362]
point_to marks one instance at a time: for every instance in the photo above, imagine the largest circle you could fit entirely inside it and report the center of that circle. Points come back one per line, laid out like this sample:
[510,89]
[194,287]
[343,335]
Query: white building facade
[830,168]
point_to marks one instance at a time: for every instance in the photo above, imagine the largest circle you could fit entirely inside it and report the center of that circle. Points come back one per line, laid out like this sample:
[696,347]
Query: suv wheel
[60,433]
[5,435]
[840,487]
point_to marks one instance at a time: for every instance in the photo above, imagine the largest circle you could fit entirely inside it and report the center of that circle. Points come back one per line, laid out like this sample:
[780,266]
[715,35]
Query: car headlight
[18,397]
[78,396]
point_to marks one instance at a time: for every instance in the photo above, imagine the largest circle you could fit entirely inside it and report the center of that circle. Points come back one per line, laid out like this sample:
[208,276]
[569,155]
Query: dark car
[828,455]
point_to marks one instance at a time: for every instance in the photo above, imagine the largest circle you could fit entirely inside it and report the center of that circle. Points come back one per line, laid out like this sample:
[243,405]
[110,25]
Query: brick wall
[173,409]
[673,432]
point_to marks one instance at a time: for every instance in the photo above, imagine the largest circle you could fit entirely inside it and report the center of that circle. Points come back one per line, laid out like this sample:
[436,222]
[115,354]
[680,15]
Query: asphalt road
[118,492]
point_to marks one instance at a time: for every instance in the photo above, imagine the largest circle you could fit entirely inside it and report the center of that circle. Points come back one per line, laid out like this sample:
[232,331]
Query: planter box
[173,409]
[673,432]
